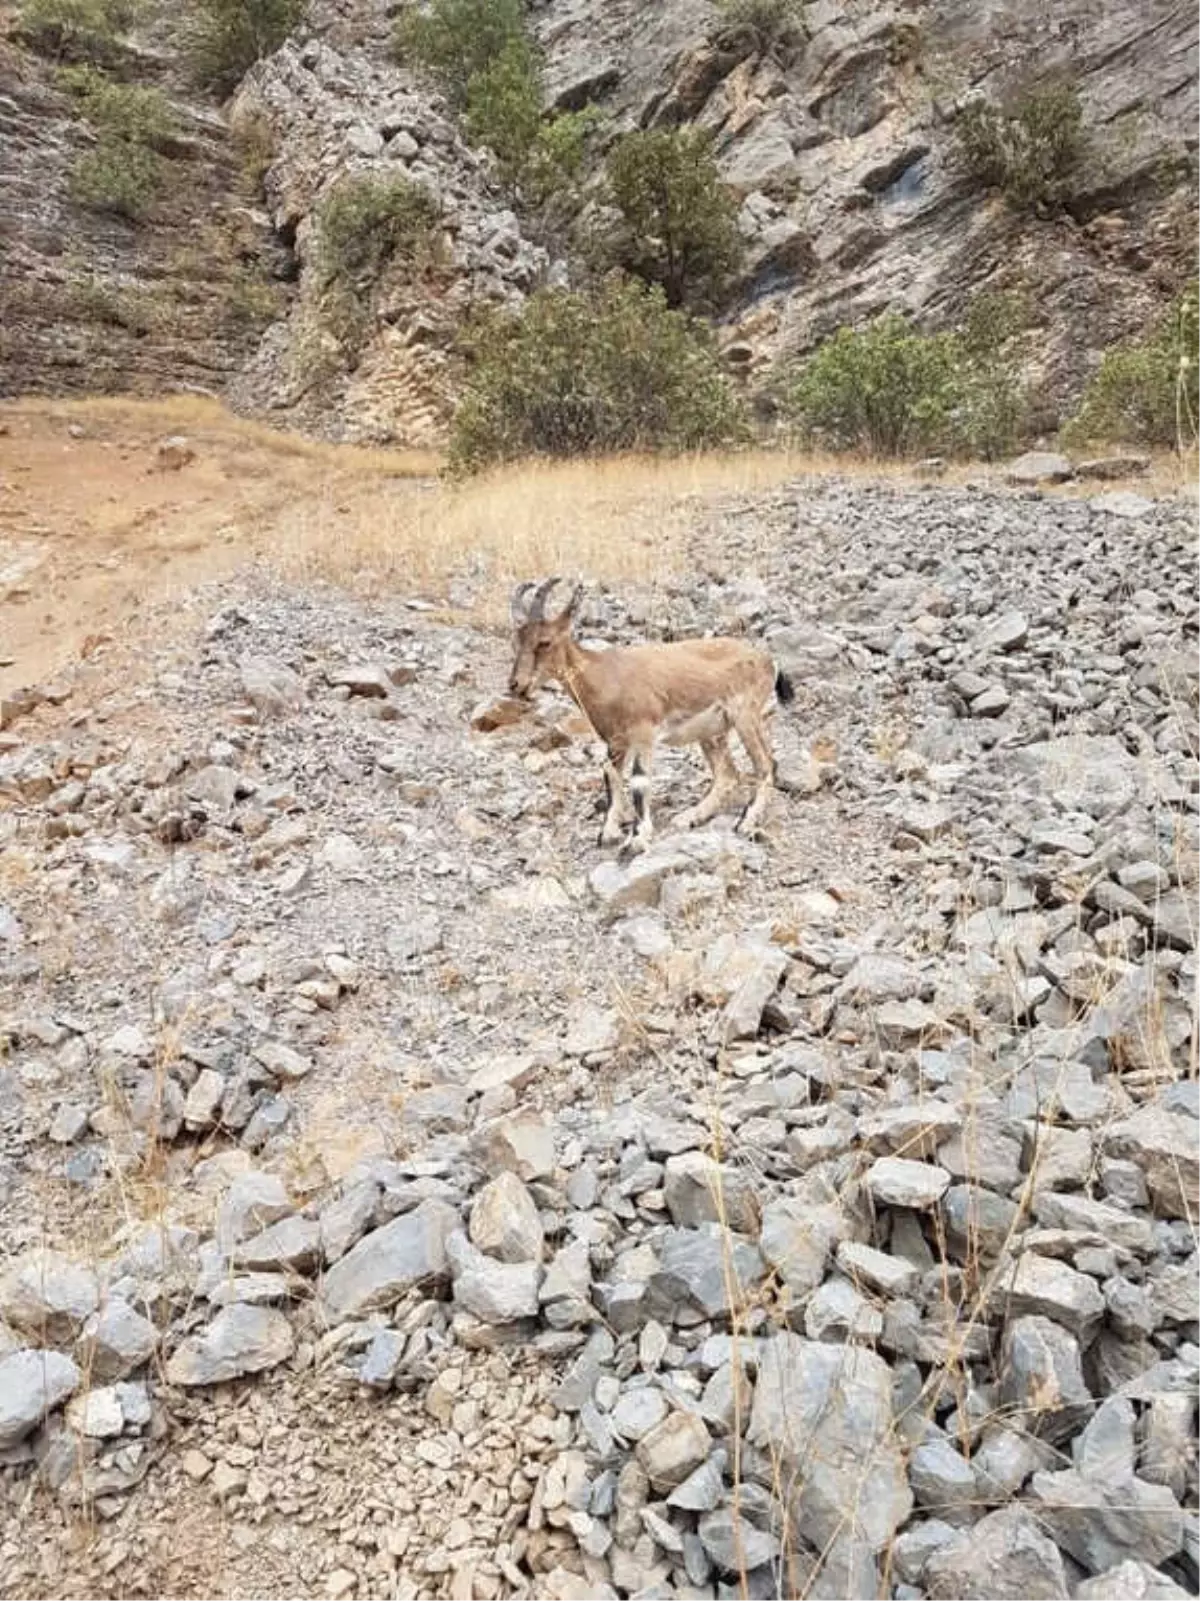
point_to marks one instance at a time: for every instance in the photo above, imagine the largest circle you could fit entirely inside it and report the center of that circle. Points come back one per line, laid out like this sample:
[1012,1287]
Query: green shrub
[457,39]
[579,374]
[76,30]
[1146,392]
[229,36]
[1030,152]
[678,220]
[124,171]
[366,222]
[888,390]
[769,25]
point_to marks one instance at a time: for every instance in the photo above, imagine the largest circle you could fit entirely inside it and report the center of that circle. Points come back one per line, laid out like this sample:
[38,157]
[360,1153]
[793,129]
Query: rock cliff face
[90,302]
[842,156]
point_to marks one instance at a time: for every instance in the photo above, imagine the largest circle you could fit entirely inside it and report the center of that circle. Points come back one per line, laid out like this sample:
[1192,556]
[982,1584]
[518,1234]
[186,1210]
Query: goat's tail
[785,690]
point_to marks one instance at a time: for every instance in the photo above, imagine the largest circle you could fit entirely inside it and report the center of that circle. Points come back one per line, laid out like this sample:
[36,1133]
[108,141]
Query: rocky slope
[459,1212]
[842,156]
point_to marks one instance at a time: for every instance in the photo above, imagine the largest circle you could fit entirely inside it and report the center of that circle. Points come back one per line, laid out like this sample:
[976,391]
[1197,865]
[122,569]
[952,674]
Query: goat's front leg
[639,788]
[619,808]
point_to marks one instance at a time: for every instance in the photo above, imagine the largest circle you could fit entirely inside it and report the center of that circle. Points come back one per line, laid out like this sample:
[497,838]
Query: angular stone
[1041,1377]
[116,1340]
[496,1292]
[709,1268]
[44,1293]
[251,1202]
[733,1544]
[402,1255]
[943,1481]
[1101,1523]
[912,1130]
[890,1275]
[1164,1146]
[1004,1554]
[698,1190]
[673,1449]
[1041,1285]
[293,1242]
[1039,467]
[522,1145]
[1131,1581]
[97,1413]
[798,1239]
[895,1181]
[345,1220]
[1118,1227]
[382,1361]
[241,1339]
[978,1222]
[270,686]
[824,1412]
[504,1221]
[32,1384]
[836,1310]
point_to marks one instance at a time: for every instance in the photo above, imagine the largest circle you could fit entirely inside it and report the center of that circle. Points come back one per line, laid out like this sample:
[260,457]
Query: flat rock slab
[32,1383]
[241,1339]
[409,1251]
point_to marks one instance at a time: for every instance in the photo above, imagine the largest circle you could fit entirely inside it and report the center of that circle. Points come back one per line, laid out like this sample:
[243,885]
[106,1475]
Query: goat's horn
[537,608]
[519,602]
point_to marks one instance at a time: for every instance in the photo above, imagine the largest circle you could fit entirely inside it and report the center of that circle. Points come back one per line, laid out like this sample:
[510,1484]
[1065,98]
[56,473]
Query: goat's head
[543,629]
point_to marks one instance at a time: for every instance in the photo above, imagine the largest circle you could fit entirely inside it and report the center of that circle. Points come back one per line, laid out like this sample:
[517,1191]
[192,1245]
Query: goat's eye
[542,646]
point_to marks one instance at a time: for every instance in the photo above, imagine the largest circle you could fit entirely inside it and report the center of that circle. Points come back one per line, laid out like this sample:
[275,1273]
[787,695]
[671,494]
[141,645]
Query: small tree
[889,390]
[366,222]
[76,30]
[1146,392]
[1030,151]
[772,27]
[578,374]
[457,39]
[678,220]
[231,35]
[124,171]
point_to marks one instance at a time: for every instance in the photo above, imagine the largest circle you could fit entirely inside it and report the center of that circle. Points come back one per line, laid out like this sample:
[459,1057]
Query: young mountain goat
[689,693]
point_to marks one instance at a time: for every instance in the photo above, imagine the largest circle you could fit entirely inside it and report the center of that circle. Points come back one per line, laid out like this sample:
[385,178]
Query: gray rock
[1039,467]
[978,1222]
[673,1450]
[270,686]
[1004,1554]
[345,1220]
[1123,503]
[1130,1581]
[251,1202]
[797,1239]
[1039,1284]
[913,1547]
[733,1544]
[1005,1459]
[293,1242]
[1041,1377]
[703,1490]
[640,1410]
[522,1145]
[241,1339]
[46,1294]
[382,1360]
[943,1481]
[836,1310]
[504,1221]
[1105,1448]
[497,1292]
[1164,1146]
[895,1181]
[402,1255]
[32,1384]
[1101,1524]
[366,679]
[1117,1226]
[824,1413]
[890,1275]
[116,1340]
[709,1268]
[698,1190]
[1007,632]
[1168,1442]
[912,1130]
[97,1413]
[69,1124]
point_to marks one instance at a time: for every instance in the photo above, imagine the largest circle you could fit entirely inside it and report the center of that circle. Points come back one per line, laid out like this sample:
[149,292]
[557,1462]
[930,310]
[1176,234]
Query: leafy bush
[366,222]
[455,40]
[1030,152]
[123,172]
[1146,392]
[76,30]
[481,55]
[229,36]
[891,391]
[678,220]
[577,374]
[770,25]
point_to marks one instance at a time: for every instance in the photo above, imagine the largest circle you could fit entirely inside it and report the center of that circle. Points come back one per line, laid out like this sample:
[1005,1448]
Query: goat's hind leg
[637,766]
[725,780]
[753,735]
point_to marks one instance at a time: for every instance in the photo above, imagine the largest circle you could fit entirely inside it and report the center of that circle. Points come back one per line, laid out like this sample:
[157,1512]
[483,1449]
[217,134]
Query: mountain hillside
[840,151]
